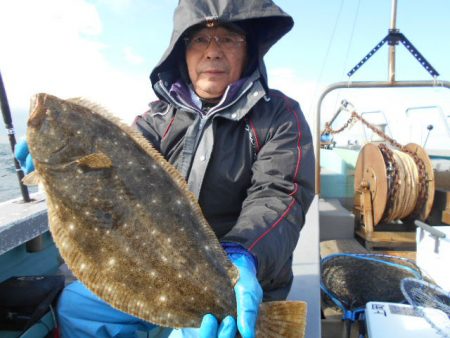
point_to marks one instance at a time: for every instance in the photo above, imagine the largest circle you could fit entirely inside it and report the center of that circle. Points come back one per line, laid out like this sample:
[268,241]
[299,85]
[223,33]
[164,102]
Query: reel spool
[392,184]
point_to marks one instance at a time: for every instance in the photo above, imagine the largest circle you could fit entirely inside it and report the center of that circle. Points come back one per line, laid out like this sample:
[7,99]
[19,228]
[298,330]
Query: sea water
[9,183]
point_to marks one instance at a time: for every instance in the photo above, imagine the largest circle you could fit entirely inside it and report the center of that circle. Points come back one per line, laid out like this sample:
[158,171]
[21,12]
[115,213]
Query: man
[245,151]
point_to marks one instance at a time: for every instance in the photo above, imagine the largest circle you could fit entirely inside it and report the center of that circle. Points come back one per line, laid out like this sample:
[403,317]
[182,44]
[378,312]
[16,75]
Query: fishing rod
[12,140]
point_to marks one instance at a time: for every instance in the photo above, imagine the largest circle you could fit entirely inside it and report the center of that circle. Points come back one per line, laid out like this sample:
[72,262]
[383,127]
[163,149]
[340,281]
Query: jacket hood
[263,21]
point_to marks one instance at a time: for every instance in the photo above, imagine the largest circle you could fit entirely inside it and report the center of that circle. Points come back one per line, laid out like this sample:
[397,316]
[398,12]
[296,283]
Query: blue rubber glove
[24,157]
[248,297]
[210,327]
[249,294]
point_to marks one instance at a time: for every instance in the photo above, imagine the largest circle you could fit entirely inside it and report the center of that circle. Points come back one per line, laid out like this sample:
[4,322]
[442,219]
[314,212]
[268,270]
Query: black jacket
[250,160]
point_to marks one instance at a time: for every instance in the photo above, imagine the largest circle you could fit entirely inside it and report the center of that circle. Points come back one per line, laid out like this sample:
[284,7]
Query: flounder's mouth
[37,114]
[36,120]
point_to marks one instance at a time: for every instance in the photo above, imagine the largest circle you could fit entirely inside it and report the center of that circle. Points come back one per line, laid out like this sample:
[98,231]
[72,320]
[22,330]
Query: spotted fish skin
[123,218]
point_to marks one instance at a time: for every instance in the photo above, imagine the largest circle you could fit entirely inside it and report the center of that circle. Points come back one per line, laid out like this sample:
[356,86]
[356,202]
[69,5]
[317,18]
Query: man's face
[212,66]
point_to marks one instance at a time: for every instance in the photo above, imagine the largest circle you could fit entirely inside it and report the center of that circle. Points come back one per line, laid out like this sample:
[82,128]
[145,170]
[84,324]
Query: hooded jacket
[250,159]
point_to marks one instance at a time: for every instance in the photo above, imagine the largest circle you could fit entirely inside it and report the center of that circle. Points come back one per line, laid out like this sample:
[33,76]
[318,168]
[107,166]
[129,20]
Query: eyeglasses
[201,42]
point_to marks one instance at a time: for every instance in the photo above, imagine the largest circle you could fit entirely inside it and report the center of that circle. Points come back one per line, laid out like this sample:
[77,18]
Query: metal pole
[394,15]
[392,46]
[12,140]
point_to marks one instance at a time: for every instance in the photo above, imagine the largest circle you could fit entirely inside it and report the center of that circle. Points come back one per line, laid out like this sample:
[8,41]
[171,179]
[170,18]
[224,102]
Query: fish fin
[91,105]
[32,178]
[281,319]
[95,161]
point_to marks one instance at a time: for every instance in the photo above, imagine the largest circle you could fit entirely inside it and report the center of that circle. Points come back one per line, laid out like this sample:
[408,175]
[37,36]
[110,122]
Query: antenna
[393,38]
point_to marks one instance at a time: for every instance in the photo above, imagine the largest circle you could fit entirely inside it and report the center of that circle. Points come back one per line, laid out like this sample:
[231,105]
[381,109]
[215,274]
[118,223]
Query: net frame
[421,295]
[353,314]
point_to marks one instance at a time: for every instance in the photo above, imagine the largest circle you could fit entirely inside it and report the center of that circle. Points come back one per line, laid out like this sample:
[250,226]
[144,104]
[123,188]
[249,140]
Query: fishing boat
[344,216]
[365,185]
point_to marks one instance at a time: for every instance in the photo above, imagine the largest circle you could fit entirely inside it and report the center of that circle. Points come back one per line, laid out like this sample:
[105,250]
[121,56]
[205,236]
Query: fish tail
[281,319]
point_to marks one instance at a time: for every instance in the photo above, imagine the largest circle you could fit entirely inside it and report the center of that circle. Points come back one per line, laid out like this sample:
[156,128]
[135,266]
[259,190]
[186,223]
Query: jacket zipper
[183,104]
[203,118]
[235,100]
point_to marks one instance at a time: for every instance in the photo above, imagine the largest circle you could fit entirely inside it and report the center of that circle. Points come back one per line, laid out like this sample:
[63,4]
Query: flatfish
[127,226]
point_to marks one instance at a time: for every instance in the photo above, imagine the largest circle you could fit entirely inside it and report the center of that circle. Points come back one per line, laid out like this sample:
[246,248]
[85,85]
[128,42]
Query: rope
[406,195]
[407,176]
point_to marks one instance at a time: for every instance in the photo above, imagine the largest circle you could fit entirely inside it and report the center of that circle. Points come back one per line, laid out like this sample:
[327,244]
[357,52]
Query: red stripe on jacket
[168,128]
[297,168]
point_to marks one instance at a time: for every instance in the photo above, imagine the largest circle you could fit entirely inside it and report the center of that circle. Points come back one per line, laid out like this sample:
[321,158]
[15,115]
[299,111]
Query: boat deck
[306,266]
